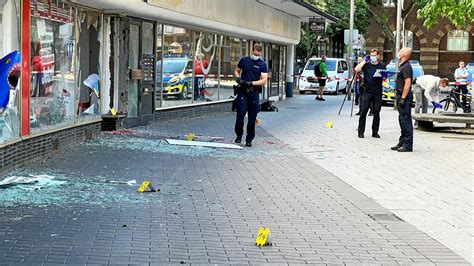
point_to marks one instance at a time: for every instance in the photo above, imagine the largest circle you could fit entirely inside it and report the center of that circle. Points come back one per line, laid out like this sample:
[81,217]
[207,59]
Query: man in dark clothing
[404,100]
[374,72]
[251,74]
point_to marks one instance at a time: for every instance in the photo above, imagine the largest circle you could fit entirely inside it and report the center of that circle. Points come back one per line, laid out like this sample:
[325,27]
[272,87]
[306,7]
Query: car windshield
[171,66]
[417,71]
[330,64]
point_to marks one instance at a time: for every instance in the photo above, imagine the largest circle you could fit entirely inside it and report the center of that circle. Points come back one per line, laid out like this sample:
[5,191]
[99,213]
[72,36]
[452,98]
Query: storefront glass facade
[9,87]
[198,66]
[65,53]
[65,66]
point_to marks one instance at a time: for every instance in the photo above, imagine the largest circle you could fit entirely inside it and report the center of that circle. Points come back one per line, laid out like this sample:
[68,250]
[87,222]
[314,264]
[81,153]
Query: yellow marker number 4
[262,237]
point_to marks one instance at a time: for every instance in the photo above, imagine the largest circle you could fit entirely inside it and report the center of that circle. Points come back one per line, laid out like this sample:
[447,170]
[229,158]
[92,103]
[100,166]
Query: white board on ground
[203,144]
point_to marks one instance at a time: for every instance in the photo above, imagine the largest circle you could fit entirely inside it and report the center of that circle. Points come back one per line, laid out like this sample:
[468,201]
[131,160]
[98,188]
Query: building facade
[85,60]
[438,49]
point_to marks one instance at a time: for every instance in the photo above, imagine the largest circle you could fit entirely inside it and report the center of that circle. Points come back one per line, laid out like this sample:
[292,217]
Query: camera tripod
[350,91]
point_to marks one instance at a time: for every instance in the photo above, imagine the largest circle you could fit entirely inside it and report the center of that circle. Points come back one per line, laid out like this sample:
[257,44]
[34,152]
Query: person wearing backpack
[320,72]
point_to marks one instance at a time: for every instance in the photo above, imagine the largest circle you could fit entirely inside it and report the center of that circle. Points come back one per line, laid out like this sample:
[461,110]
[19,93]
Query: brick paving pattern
[209,208]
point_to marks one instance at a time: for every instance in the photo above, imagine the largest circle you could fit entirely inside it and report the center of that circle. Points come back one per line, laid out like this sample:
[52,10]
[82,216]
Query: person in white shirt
[461,74]
[427,89]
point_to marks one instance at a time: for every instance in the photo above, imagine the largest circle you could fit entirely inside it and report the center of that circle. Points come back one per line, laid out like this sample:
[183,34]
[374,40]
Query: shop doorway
[274,70]
[141,83]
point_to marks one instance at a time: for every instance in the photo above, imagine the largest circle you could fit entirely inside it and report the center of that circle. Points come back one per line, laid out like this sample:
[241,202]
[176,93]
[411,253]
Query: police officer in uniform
[251,74]
[404,100]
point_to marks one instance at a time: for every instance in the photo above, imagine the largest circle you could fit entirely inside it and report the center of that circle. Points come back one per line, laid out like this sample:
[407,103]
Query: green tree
[457,12]
[382,18]
[340,10]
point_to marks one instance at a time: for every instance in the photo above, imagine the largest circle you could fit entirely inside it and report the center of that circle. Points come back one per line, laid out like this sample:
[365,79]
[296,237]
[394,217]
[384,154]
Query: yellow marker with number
[190,137]
[329,124]
[113,112]
[262,236]
[145,185]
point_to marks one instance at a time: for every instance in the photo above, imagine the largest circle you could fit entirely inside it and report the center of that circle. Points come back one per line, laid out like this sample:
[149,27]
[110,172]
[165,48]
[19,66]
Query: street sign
[317,24]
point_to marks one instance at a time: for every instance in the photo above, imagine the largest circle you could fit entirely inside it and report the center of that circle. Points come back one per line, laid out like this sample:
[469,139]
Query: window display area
[198,66]
[65,52]
[9,70]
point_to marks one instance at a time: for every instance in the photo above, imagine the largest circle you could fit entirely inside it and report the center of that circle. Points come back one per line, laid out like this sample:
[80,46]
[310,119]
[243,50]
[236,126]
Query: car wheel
[185,92]
[302,92]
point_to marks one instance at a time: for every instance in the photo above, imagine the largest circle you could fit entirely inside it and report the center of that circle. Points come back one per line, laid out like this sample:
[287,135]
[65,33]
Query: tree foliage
[340,10]
[457,12]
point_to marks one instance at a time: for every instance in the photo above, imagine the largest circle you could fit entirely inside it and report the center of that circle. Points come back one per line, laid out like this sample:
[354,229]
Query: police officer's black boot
[248,144]
[238,139]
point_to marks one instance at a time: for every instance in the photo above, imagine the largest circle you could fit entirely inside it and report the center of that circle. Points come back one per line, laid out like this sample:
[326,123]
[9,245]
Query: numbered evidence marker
[190,136]
[262,237]
[329,124]
[145,185]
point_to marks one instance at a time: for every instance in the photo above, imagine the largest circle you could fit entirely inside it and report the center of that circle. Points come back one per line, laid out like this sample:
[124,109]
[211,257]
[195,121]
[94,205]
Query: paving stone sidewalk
[431,188]
[208,210]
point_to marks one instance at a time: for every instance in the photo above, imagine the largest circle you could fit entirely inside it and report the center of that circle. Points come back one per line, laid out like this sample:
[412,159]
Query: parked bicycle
[451,103]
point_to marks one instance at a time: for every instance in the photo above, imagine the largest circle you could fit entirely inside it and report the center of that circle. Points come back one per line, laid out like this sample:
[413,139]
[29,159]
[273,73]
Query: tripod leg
[342,105]
[347,93]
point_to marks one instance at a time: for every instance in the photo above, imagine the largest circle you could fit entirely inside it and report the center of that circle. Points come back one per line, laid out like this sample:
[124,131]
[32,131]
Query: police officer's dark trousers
[247,102]
[404,119]
[370,99]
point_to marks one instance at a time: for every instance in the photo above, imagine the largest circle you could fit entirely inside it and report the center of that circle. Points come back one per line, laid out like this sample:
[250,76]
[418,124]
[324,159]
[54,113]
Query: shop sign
[317,24]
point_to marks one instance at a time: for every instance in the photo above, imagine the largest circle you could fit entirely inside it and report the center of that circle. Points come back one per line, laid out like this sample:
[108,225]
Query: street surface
[431,188]
[327,196]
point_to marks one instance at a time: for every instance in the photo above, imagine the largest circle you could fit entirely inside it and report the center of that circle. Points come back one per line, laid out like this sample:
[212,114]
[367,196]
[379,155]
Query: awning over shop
[294,10]
[298,8]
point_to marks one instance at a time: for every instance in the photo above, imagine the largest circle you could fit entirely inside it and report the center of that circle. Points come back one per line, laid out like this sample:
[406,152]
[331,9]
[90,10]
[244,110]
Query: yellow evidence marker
[329,124]
[190,136]
[145,185]
[262,237]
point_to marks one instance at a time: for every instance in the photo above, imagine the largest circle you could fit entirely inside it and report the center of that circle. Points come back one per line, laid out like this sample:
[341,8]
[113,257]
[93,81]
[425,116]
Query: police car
[388,94]
[177,77]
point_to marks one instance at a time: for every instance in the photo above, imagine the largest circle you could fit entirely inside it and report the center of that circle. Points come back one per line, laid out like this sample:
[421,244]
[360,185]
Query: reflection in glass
[9,114]
[206,66]
[133,57]
[52,70]
[177,76]
[233,49]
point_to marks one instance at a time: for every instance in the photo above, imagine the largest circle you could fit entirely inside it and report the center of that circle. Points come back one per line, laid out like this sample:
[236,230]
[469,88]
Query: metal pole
[351,29]
[397,37]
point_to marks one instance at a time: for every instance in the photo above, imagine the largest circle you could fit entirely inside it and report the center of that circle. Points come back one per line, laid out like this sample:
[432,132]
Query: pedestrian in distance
[321,73]
[404,100]
[427,89]
[251,74]
[374,73]
[461,74]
